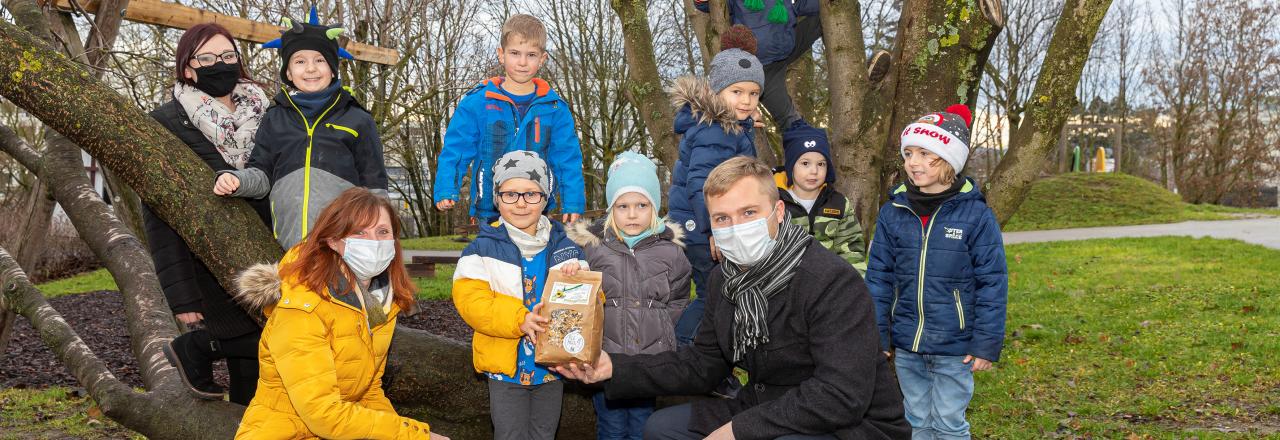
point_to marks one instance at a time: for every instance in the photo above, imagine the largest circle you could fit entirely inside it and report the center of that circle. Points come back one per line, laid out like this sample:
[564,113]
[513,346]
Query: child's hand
[533,324]
[979,364]
[757,117]
[888,354]
[715,252]
[444,205]
[226,185]
[570,269]
[570,218]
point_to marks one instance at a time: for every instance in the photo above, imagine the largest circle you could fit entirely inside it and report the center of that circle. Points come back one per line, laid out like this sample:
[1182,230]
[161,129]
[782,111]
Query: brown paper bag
[575,307]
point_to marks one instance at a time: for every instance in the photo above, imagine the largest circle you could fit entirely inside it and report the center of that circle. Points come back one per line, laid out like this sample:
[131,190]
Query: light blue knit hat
[632,172]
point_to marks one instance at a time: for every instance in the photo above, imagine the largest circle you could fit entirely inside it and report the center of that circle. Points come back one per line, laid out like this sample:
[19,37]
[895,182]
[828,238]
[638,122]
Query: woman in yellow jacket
[331,310]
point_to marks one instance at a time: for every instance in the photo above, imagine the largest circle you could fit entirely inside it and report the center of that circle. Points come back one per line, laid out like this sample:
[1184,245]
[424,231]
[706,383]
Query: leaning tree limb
[1051,103]
[644,88]
[224,233]
[153,413]
[33,227]
[144,154]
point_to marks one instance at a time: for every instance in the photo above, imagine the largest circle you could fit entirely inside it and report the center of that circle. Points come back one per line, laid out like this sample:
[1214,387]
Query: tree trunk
[33,228]
[179,189]
[1050,105]
[644,88]
[857,117]
[166,413]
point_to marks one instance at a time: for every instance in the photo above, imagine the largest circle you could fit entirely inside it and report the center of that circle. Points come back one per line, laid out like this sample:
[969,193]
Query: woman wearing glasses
[215,110]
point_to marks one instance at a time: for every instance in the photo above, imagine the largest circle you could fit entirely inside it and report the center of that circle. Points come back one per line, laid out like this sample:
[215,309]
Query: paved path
[1262,231]
[411,253]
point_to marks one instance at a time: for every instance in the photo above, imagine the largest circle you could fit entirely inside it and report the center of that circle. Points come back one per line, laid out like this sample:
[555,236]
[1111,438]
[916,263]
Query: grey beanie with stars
[523,165]
[732,66]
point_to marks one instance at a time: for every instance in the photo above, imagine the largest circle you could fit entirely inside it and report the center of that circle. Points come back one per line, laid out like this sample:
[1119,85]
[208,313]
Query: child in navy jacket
[938,275]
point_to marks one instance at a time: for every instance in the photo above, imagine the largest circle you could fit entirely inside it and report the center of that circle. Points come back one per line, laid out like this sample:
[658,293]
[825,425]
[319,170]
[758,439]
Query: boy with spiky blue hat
[315,141]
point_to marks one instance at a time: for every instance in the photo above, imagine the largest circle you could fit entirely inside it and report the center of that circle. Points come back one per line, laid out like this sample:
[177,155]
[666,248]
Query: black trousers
[672,423]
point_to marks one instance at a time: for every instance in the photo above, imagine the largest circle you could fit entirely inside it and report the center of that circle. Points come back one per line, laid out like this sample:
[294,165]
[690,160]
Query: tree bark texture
[66,97]
[1051,103]
[644,88]
[36,213]
[166,413]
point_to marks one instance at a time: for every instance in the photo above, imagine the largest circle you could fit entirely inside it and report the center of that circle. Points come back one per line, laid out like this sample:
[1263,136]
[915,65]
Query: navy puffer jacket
[711,135]
[957,305]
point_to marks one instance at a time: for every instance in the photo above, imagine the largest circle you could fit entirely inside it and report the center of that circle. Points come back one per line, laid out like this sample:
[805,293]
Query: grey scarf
[749,289]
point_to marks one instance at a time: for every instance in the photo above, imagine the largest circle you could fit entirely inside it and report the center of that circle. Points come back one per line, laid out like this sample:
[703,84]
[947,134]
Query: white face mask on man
[748,243]
[368,258]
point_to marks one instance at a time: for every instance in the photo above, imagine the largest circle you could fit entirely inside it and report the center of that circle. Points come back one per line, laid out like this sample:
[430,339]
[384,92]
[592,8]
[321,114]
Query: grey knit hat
[734,66]
[524,165]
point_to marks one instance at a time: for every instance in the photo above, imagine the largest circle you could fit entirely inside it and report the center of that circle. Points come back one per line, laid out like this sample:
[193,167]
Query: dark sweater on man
[822,370]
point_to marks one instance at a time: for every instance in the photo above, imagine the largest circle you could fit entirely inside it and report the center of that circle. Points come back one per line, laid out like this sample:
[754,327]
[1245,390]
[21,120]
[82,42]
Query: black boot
[190,354]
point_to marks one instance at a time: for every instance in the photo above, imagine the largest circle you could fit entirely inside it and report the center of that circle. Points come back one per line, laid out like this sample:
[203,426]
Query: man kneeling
[787,316]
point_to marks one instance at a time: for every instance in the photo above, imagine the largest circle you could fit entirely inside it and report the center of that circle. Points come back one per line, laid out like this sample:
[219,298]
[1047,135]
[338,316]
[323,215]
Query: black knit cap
[306,36]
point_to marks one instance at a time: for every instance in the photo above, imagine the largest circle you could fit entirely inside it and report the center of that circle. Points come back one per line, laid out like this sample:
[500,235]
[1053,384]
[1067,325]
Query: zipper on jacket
[924,248]
[341,128]
[959,307]
[894,308]
[274,234]
[537,129]
[306,171]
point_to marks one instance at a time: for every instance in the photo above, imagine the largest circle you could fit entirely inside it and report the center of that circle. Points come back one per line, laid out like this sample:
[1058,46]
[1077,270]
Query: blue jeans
[621,419]
[687,326]
[936,390]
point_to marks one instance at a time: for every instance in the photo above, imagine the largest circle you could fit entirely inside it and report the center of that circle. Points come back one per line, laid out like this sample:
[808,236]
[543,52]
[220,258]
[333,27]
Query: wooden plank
[421,270]
[178,16]
[434,260]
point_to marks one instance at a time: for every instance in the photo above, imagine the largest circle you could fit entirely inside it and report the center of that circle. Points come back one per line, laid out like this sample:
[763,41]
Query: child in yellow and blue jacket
[497,288]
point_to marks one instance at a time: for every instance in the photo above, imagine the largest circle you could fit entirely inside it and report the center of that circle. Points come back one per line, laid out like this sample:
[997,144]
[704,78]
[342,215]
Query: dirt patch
[98,317]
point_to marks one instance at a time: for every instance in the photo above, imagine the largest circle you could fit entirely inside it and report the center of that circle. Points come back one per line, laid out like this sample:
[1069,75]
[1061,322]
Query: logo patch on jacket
[955,233]
[690,225]
[831,211]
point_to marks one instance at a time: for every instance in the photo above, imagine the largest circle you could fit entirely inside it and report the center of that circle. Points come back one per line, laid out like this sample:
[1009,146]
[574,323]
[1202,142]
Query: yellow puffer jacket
[320,367]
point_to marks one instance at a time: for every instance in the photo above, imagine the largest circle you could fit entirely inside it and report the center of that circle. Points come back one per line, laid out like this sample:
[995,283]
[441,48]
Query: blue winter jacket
[711,135]
[942,288]
[484,127]
[774,41]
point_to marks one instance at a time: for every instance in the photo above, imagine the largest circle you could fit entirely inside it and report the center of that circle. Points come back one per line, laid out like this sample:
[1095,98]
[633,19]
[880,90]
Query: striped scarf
[749,289]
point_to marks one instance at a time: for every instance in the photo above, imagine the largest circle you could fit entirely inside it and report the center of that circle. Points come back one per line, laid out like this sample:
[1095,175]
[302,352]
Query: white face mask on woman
[368,258]
[747,243]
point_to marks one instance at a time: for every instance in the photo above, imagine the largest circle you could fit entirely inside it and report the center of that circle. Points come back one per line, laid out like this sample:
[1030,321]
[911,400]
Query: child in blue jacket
[511,113]
[714,116]
[938,275]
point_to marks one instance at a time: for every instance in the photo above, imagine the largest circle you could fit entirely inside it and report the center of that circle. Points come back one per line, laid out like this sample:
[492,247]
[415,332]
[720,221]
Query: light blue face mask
[368,258]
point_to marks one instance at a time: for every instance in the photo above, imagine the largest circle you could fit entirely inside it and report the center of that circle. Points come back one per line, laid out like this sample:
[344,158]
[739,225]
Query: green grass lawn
[54,413]
[1167,337]
[1078,200]
[438,287]
[1124,338]
[440,243]
[86,282]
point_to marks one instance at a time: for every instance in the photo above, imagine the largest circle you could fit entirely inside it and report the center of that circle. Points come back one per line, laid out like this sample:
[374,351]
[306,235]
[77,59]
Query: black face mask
[218,80]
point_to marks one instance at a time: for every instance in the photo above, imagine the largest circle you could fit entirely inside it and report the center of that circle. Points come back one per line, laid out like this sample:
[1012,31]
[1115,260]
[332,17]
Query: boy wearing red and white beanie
[937,273]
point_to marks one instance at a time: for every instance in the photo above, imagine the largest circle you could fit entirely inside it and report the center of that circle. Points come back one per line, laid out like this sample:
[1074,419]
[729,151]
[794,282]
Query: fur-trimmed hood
[258,287]
[695,104]
[587,234]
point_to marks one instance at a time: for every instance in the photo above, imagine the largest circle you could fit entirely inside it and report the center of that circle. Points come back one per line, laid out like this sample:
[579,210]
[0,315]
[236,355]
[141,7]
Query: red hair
[317,265]
[191,41]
